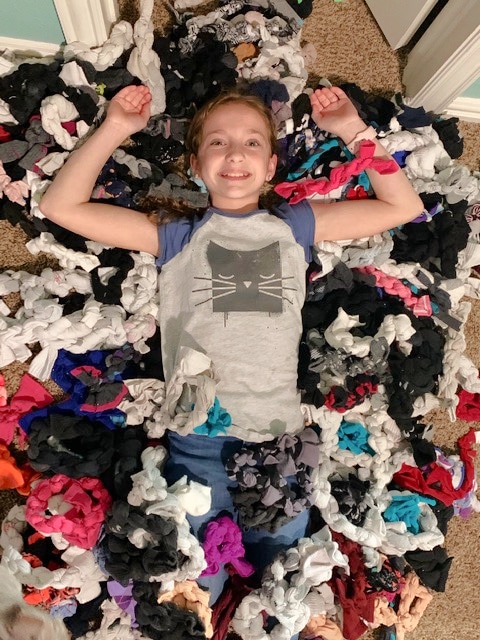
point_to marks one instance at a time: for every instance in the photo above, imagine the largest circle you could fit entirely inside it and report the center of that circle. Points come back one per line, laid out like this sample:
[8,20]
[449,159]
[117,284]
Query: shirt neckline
[226,214]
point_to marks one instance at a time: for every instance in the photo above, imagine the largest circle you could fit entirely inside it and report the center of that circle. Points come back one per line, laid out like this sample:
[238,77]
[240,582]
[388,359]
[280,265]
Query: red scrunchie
[438,481]
[468,407]
[81,524]
[30,395]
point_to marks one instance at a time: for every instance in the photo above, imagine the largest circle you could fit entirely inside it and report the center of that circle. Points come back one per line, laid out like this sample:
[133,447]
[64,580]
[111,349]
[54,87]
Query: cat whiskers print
[245,280]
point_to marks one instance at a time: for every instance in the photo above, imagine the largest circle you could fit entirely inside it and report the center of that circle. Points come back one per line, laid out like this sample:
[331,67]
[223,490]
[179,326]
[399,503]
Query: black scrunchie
[432,567]
[111,292]
[124,561]
[129,444]
[70,444]
[165,620]
[264,496]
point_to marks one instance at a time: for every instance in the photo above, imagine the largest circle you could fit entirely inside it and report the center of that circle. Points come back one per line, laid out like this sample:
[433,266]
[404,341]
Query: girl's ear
[194,165]
[272,165]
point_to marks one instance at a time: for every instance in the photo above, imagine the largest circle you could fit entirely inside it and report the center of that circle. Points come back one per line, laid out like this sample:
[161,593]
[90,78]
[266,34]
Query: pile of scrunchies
[98,537]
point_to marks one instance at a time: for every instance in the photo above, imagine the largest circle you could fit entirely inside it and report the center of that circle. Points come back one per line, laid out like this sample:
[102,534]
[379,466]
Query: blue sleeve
[301,221]
[173,236]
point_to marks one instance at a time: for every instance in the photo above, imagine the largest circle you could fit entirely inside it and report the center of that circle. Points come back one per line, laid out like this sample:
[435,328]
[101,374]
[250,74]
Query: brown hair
[167,209]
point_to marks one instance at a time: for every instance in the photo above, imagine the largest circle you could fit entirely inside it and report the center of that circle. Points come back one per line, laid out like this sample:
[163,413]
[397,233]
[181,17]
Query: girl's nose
[235,152]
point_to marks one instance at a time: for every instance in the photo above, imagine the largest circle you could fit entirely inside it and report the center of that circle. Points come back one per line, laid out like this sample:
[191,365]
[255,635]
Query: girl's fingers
[322,98]
[340,93]
[136,96]
[329,94]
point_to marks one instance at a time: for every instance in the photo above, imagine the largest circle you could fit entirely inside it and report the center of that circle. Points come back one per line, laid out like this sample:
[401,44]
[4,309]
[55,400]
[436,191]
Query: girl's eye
[253,143]
[216,143]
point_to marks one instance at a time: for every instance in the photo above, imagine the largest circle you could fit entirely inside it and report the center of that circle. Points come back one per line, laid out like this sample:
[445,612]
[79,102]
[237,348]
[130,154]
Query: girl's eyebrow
[224,131]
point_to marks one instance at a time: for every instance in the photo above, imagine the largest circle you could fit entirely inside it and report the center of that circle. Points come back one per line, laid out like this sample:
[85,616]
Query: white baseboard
[467,109]
[28,48]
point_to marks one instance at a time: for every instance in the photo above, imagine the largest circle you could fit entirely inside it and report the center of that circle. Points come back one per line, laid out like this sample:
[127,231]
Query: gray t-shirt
[232,286]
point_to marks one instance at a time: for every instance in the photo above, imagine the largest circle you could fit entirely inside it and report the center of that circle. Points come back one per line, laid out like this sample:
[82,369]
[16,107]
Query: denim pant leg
[262,546]
[202,459]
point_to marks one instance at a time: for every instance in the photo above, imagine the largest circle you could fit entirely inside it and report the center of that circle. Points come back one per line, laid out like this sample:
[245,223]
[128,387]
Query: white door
[399,19]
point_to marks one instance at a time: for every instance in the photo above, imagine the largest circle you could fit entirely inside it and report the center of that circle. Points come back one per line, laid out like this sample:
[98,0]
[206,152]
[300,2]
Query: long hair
[167,209]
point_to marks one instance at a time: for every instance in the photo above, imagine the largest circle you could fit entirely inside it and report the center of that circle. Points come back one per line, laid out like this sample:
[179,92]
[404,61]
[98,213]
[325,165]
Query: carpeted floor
[350,48]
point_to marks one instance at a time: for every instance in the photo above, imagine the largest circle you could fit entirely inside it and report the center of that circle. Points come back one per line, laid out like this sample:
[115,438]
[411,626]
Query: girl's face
[234,158]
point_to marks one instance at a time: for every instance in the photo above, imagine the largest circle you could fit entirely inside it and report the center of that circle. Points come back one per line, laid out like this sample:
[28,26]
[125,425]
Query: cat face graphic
[245,280]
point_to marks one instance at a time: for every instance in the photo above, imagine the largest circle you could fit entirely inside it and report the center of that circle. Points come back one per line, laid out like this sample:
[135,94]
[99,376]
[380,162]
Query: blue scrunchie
[354,437]
[406,508]
[218,421]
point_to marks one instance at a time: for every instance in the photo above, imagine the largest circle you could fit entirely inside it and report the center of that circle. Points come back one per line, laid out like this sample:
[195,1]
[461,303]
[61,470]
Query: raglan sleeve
[173,236]
[299,217]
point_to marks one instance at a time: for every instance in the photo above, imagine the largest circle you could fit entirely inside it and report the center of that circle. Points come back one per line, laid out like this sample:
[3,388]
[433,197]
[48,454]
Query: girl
[232,281]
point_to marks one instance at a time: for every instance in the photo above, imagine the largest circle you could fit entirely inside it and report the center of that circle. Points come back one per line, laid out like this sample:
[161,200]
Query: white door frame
[87,21]
[446,59]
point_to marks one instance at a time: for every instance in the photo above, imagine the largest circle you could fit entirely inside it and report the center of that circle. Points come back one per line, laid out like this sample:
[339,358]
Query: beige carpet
[349,48]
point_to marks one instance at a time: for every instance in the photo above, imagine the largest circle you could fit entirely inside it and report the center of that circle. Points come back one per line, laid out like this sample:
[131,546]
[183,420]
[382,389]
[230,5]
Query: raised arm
[67,200]
[396,201]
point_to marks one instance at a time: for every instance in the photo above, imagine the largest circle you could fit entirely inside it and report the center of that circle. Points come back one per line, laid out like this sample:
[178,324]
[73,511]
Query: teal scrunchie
[218,421]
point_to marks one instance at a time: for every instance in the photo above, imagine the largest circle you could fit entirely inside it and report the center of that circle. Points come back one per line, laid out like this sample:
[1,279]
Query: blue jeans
[203,459]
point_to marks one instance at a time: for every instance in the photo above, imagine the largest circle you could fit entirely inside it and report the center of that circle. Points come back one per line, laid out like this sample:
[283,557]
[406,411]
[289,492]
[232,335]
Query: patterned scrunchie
[350,495]
[264,496]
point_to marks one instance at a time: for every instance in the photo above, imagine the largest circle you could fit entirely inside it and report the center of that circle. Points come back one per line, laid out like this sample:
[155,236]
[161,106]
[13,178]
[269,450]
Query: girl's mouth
[235,175]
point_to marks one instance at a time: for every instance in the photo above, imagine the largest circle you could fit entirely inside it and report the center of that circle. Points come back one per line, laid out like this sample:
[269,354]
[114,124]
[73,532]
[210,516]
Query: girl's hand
[333,111]
[129,109]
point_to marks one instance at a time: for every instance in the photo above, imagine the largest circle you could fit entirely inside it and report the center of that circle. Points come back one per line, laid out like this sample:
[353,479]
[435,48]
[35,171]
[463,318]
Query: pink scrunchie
[420,306]
[302,189]
[81,524]
[222,545]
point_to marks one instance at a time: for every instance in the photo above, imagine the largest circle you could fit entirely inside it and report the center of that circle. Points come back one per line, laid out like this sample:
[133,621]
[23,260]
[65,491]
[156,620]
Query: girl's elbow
[51,206]
[45,207]
[47,204]
[416,207]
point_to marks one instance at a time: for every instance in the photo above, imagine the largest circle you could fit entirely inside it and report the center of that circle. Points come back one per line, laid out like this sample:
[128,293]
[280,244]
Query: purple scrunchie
[222,545]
